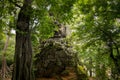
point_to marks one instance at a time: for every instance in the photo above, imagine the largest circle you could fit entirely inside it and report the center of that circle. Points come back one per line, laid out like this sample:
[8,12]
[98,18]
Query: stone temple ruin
[55,55]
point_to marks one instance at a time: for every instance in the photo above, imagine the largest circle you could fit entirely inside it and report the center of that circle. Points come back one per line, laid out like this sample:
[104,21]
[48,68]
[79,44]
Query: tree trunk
[23,49]
[90,70]
[4,64]
[116,60]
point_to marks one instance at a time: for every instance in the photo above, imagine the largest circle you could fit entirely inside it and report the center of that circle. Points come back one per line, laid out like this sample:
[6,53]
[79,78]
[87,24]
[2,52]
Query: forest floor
[70,76]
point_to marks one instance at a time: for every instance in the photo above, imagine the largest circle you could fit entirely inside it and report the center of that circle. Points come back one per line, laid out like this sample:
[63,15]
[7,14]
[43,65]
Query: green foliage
[95,23]
[45,13]
[10,49]
[81,73]
[81,69]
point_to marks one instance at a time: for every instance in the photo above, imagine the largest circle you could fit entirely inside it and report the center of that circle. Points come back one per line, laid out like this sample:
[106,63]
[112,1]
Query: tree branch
[15,3]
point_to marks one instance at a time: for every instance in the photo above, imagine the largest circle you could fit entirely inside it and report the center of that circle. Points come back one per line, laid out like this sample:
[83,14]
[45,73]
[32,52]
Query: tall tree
[23,49]
[39,19]
[4,64]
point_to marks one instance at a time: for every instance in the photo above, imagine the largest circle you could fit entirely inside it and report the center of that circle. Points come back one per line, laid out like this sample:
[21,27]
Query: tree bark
[115,60]
[90,70]
[23,49]
[4,63]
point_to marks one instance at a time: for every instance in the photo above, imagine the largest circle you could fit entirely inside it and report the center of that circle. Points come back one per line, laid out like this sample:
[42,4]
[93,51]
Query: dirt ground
[71,76]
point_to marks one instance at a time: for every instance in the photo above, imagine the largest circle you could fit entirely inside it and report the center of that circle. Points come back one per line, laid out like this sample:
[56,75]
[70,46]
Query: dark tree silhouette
[23,49]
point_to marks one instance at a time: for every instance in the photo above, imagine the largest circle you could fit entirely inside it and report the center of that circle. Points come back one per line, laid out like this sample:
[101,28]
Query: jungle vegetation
[93,31]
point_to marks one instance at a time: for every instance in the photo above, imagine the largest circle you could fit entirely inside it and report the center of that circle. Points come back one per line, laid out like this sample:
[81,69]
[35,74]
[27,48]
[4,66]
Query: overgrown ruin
[55,56]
